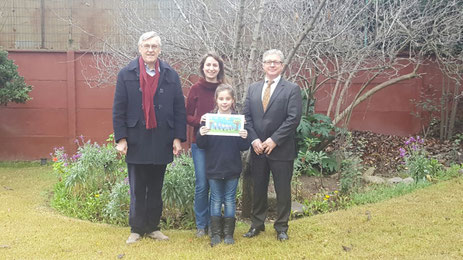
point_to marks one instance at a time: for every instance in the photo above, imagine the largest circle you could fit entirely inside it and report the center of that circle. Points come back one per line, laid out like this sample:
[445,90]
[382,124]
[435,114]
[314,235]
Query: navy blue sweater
[223,158]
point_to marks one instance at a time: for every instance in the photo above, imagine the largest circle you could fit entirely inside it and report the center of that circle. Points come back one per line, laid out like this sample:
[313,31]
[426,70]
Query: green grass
[19,164]
[424,224]
[378,193]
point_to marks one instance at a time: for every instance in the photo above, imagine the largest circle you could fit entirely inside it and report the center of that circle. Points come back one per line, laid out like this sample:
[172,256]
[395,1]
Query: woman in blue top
[223,167]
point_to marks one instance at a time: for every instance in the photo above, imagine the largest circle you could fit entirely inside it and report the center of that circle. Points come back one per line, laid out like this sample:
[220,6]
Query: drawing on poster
[220,124]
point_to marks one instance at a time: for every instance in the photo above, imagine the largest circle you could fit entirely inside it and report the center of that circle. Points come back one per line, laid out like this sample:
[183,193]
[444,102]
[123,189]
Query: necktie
[266,97]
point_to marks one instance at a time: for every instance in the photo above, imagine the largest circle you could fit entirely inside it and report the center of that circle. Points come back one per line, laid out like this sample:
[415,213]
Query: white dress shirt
[272,87]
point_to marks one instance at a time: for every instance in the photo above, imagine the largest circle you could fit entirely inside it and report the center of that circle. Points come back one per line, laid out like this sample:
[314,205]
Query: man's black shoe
[282,235]
[254,232]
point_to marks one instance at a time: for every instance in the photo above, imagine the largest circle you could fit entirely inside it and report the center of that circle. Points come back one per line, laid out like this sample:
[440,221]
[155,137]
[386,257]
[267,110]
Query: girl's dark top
[223,157]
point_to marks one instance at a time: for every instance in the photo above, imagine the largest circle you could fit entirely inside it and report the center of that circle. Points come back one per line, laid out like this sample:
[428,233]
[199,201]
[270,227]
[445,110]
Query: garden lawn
[426,224]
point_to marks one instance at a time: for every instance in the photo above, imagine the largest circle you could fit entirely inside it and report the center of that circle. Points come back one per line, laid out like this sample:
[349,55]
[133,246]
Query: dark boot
[209,231]
[228,230]
[216,230]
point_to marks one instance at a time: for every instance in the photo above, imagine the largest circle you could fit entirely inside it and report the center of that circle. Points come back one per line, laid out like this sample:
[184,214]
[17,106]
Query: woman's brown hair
[215,56]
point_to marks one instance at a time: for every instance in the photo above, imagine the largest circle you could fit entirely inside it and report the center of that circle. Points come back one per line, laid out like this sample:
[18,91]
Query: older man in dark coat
[149,123]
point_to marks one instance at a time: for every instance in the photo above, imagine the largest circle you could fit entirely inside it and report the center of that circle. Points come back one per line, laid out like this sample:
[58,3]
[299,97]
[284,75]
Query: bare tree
[338,41]
[443,38]
[330,43]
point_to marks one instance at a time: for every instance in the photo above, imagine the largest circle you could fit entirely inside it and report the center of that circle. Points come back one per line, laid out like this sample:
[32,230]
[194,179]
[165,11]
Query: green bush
[314,133]
[178,193]
[351,174]
[93,185]
[87,181]
[450,173]
[116,211]
[417,163]
[351,167]
[12,86]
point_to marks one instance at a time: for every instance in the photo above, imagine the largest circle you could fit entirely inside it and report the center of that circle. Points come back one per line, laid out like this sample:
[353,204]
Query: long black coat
[152,146]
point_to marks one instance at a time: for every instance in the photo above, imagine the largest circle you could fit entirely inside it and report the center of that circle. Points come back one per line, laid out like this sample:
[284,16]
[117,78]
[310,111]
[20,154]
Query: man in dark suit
[273,110]
[149,123]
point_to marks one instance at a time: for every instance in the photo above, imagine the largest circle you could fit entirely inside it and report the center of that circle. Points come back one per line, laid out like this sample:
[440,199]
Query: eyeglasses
[270,62]
[148,47]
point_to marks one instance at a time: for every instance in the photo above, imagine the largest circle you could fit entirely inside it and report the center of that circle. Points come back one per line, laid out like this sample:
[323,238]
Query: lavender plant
[417,162]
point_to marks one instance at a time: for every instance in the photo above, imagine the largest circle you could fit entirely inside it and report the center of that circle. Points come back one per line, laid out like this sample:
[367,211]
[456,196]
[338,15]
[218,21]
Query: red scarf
[148,86]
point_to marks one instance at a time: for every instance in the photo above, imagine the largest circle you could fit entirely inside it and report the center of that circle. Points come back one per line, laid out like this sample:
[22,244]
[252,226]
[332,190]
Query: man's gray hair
[271,52]
[149,35]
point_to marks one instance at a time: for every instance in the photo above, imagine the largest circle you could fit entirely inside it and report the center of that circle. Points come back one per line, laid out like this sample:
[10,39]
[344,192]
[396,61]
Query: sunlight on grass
[425,224]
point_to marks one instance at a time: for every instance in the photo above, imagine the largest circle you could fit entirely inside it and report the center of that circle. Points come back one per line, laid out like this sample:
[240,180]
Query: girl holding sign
[223,168]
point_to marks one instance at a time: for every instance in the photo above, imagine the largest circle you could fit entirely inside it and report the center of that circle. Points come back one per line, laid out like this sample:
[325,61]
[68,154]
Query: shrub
[93,185]
[351,164]
[351,174]
[12,85]
[314,133]
[116,211]
[178,193]
[450,173]
[417,162]
[86,182]
[311,162]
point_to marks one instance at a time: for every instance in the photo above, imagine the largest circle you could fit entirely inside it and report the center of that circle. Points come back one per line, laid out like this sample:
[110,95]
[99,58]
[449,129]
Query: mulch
[382,151]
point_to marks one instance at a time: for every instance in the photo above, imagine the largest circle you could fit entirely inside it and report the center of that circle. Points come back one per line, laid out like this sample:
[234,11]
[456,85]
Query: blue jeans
[223,192]
[201,206]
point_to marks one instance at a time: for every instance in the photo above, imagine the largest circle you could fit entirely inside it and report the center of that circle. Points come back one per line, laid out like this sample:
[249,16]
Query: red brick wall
[64,107]
[386,112]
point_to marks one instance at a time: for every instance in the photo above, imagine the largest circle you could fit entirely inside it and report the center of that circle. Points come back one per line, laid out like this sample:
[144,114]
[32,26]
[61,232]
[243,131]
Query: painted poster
[224,124]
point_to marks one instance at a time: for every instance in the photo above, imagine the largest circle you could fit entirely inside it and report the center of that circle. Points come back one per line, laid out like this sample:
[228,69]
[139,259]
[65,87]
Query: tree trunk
[453,111]
[372,91]
[442,111]
[239,25]
[246,182]
[246,175]
[256,36]
[246,201]
[446,111]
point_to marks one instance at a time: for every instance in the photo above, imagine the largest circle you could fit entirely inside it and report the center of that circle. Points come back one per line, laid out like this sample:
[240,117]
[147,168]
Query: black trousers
[282,172]
[146,182]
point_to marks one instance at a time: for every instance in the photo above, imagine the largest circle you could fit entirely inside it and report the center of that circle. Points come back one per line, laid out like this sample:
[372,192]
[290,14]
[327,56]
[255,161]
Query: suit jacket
[152,146]
[279,121]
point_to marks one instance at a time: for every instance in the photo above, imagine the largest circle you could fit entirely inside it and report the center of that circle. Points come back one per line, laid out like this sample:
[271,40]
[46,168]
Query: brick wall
[64,107]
